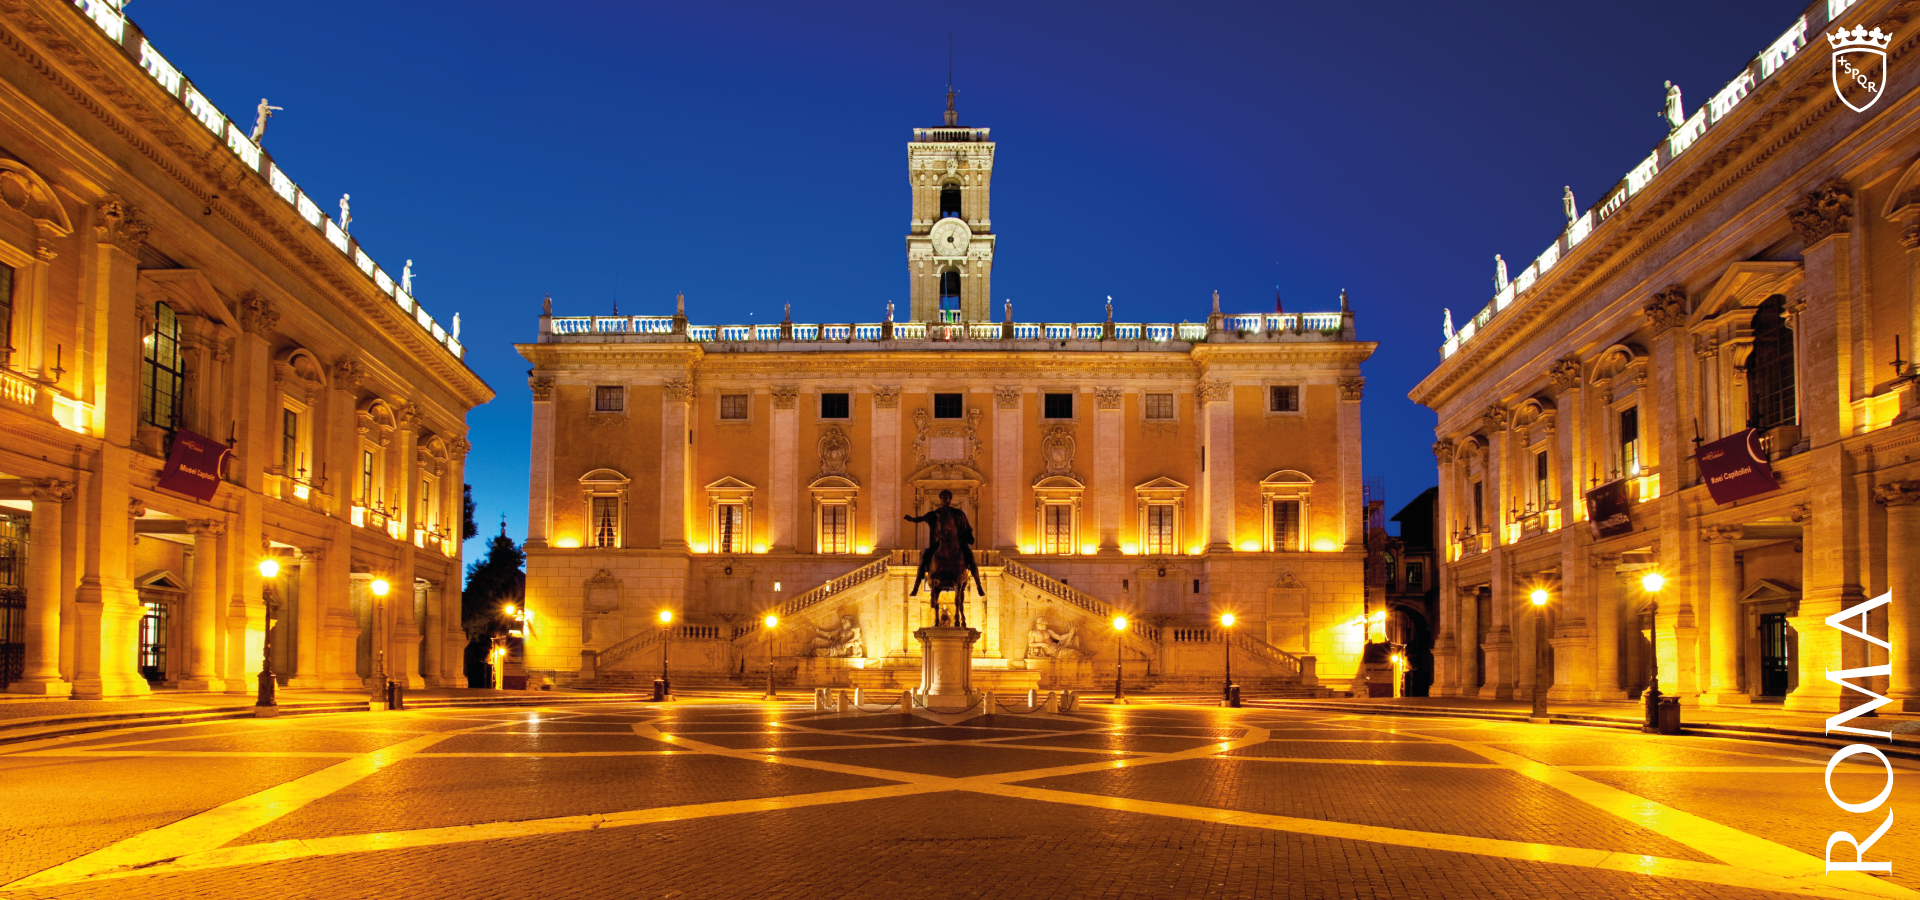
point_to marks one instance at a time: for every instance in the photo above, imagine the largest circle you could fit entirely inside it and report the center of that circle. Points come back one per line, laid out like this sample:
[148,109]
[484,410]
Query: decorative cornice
[1214,390]
[257,315]
[1720,534]
[209,528]
[785,396]
[1443,452]
[1668,309]
[678,390]
[1351,387]
[886,396]
[1006,396]
[1897,494]
[1565,373]
[50,490]
[1105,397]
[542,387]
[119,223]
[1495,418]
[346,374]
[1824,213]
[459,448]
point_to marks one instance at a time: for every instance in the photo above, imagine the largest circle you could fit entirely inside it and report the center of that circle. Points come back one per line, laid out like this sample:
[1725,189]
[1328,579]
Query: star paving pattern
[718,798]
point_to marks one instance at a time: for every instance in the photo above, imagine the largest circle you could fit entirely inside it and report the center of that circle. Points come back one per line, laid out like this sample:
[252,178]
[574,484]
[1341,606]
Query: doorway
[155,625]
[1776,658]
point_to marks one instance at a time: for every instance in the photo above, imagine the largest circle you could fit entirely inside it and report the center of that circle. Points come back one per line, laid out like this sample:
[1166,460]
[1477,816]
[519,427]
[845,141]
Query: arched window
[1770,389]
[162,370]
[950,296]
[950,202]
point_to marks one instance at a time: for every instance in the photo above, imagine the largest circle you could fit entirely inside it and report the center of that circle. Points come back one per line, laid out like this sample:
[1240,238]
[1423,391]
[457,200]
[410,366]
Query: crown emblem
[1859,39]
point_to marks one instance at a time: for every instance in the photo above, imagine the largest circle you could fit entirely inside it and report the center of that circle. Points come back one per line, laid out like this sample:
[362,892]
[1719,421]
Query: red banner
[193,465]
[1607,507]
[1735,468]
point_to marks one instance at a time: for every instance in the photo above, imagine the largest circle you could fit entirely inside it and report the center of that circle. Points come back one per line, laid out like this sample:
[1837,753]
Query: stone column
[1723,617]
[432,625]
[886,467]
[1606,627]
[784,486]
[45,592]
[1469,639]
[540,467]
[203,626]
[1502,675]
[1902,500]
[307,669]
[1216,428]
[1351,522]
[1007,418]
[1446,644]
[675,410]
[1108,470]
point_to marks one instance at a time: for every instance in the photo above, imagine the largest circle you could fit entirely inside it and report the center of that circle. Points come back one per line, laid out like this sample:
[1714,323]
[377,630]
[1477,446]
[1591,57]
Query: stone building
[1170,472]
[1739,303]
[169,295]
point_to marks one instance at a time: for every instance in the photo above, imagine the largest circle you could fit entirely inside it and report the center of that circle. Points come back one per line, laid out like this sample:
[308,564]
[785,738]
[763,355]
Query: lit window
[1159,407]
[733,407]
[1286,525]
[729,523]
[1630,441]
[366,478]
[834,406]
[1540,480]
[1416,576]
[1160,534]
[6,314]
[609,398]
[426,503]
[1058,527]
[1059,406]
[606,522]
[290,443]
[163,372]
[833,528]
[1770,386]
[947,406]
[1283,398]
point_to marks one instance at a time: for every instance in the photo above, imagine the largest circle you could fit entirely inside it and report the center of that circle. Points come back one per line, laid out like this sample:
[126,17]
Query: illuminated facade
[165,286]
[1760,270]
[1169,472]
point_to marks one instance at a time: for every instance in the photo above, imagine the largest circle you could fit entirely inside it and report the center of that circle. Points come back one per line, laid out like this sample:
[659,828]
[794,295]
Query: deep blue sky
[754,154]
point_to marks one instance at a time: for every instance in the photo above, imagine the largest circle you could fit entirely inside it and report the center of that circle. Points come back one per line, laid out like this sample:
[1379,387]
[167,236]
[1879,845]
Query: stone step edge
[62,726]
[1772,734]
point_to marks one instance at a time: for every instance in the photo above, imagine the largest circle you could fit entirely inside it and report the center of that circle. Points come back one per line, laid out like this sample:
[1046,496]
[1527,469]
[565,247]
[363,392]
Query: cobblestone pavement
[720,800]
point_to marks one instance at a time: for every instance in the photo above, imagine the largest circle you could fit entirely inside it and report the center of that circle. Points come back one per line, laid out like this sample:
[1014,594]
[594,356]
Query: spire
[1343,299]
[1278,307]
[953,118]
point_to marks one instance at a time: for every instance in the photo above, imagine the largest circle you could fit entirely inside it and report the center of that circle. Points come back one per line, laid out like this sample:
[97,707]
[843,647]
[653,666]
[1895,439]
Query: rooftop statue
[346,211]
[261,114]
[1566,202]
[1675,112]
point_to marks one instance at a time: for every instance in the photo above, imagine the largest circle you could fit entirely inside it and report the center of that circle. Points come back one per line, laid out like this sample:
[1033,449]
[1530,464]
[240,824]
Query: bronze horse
[947,571]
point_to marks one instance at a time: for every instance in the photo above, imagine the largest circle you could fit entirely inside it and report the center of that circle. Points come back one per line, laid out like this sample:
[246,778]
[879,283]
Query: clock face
[950,237]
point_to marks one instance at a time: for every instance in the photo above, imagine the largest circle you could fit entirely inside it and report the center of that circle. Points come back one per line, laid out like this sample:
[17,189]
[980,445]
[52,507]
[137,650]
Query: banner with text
[1607,509]
[1735,468]
[193,465]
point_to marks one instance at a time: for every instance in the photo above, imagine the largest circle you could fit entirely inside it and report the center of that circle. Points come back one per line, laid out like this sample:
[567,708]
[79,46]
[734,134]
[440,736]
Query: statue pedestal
[946,667]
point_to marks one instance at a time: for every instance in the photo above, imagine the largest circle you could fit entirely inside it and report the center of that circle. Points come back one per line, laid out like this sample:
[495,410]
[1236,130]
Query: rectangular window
[730,522]
[1059,406]
[1416,577]
[733,407]
[163,371]
[1479,507]
[1058,530]
[1286,525]
[833,527]
[609,398]
[1283,398]
[366,478]
[947,406]
[834,406]
[1540,480]
[1630,442]
[1160,537]
[426,504]
[606,522]
[1159,407]
[6,314]
[290,462]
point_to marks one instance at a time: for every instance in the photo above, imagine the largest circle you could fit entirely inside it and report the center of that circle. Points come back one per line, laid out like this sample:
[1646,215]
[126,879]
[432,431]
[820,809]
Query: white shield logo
[1859,76]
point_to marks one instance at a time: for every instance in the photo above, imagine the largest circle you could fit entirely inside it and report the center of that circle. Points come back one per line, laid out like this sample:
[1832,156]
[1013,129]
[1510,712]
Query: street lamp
[771,622]
[665,687]
[1652,583]
[269,567]
[378,588]
[1226,625]
[1119,659]
[1539,598]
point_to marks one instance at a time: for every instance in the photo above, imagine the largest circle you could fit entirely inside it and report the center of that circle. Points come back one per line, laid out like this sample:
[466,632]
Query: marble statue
[840,642]
[1676,113]
[1009,308]
[1045,643]
[346,211]
[456,328]
[546,305]
[1109,307]
[1566,203]
[1447,327]
[406,278]
[889,310]
[1499,274]
[261,114]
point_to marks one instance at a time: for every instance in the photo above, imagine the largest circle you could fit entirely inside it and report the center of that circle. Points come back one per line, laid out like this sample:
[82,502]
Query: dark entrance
[154,628]
[1776,664]
[13,598]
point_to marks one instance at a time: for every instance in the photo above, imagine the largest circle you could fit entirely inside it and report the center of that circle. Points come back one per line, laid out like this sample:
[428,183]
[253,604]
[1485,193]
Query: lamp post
[772,622]
[269,568]
[1226,626]
[378,588]
[1119,659]
[666,637]
[1539,598]
[1652,582]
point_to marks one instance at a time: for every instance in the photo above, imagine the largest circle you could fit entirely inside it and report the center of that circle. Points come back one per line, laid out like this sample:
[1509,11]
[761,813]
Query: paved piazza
[711,799]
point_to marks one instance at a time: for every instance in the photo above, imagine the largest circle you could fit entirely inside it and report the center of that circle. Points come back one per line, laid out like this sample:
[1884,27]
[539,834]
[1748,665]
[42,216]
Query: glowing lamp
[773,621]
[1026,548]
[509,609]
[379,587]
[1195,551]
[269,567]
[1377,616]
[1653,582]
[1323,545]
[1119,623]
[1226,620]
[863,549]
[1539,596]
[698,548]
[666,617]
[567,543]
[1088,549]
[1130,549]
[1250,546]
[759,548]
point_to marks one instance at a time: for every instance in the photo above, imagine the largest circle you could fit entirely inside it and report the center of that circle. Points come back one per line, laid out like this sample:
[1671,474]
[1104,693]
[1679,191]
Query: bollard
[659,690]
[1233,696]
[1669,715]
[1033,697]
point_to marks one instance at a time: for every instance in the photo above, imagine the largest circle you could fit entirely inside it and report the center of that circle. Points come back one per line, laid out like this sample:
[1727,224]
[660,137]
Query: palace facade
[201,371]
[1165,472]
[1706,377]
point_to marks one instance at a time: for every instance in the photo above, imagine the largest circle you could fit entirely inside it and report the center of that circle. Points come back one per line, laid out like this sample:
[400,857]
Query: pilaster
[886,467]
[307,672]
[1722,646]
[1008,415]
[540,478]
[46,590]
[1902,502]
[203,608]
[675,472]
[1108,471]
[784,481]
[1216,451]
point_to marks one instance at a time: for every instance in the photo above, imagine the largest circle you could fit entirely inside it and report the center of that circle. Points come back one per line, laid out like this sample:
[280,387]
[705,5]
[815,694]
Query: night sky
[752,155]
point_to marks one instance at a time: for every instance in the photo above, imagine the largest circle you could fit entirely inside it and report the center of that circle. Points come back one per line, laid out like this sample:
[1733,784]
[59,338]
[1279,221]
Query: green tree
[468,530]
[492,582]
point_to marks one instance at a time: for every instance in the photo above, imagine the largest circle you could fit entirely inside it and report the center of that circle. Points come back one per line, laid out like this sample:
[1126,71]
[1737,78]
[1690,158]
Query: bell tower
[950,237]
